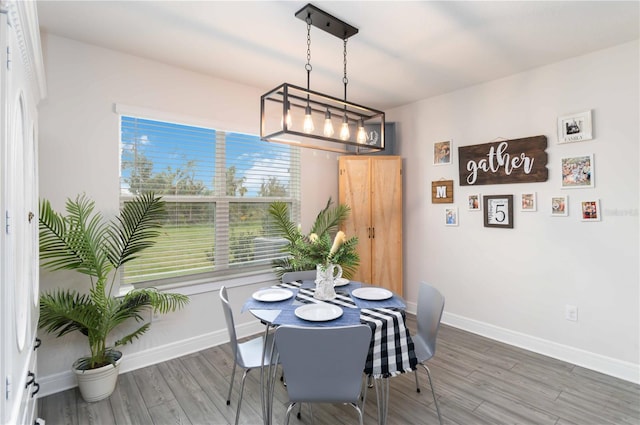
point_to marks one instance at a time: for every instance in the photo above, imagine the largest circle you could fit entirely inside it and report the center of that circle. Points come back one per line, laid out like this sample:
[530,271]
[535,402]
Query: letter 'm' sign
[442,192]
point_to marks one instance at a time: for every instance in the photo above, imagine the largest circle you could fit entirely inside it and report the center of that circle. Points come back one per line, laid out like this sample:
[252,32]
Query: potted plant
[83,241]
[307,251]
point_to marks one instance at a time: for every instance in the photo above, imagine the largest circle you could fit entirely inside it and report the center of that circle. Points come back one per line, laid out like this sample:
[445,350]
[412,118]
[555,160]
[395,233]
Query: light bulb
[328,125]
[288,118]
[344,129]
[362,135]
[308,121]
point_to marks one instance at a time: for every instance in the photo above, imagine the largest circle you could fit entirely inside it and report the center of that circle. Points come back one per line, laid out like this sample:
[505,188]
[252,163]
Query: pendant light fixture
[289,113]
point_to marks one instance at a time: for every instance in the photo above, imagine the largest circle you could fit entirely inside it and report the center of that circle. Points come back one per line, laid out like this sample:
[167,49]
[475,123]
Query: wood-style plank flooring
[478,381]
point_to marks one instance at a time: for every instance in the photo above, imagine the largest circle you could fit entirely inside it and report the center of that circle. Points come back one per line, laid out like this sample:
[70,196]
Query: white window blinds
[217,186]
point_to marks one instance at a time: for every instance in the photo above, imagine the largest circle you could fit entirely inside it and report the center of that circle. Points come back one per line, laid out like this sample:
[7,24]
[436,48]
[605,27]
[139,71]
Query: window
[217,186]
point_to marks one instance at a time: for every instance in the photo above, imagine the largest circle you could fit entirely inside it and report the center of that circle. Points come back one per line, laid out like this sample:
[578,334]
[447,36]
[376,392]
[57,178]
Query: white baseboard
[607,365]
[63,381]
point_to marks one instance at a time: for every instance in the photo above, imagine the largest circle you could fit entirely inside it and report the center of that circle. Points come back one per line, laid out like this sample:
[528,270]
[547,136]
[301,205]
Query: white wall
[79,153]
[514,284]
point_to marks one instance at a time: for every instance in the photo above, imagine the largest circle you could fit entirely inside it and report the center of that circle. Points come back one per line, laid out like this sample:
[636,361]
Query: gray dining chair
[303,275]
[429,314]
[324,364]
[292,277]
[248,355]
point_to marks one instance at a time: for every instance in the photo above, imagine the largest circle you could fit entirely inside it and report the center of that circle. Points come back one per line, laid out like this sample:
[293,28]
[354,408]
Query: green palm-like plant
[303,254]
[83,241]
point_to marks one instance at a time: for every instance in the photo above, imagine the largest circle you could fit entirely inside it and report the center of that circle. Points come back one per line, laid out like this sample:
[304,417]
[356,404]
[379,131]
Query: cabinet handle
[31,380]
[37,344]
[373,233]
[369,232]
[37,388]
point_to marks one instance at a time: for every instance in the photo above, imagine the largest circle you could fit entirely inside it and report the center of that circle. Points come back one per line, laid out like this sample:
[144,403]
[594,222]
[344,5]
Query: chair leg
[244,375]
[233,376]
[382,397]
[286,419]
[417,384]
[299,410]
[364,395]
[360,414]
[435,400]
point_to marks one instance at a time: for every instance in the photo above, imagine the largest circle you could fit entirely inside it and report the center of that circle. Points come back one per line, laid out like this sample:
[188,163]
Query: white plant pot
[97,384]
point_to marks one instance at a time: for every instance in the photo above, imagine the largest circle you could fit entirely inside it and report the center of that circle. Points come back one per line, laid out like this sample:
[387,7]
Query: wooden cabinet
[372,187]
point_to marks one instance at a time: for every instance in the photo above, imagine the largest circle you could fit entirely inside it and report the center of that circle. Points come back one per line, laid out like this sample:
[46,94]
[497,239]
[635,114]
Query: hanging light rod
[288,112]
[326,22]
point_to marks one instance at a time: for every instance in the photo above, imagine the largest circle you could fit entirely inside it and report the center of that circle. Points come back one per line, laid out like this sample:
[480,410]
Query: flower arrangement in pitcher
[322,251]
[319,246]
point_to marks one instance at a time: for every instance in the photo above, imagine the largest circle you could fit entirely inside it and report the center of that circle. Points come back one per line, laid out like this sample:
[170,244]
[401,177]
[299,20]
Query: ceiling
[404,51]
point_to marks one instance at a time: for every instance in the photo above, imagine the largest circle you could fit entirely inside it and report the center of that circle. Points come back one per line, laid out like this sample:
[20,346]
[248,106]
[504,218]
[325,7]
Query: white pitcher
[326,275]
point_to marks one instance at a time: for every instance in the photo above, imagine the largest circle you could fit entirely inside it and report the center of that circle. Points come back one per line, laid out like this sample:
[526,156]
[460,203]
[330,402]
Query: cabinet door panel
[18,204]
[386,212]
[354,191]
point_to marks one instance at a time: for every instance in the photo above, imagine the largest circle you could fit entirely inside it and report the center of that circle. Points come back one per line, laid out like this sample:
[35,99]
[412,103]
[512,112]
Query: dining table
[391,351]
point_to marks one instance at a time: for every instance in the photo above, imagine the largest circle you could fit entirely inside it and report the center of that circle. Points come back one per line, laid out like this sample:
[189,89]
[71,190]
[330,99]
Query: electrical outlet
[571,312]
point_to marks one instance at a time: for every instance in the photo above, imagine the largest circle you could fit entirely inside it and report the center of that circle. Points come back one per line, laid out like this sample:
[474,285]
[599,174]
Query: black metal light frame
[294,100]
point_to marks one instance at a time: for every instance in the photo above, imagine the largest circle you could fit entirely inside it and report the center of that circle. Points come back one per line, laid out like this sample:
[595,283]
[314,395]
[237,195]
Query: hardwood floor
[477,380]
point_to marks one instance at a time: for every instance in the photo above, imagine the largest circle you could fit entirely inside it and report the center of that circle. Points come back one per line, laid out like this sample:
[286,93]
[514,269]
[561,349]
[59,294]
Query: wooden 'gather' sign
[508,161]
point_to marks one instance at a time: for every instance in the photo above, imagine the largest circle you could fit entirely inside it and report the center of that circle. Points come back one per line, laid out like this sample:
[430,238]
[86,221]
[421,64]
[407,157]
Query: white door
[19,230]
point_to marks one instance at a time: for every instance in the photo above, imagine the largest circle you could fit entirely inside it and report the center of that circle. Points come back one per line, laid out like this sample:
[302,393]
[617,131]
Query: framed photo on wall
[451,216]
[578,172]
[591,210]
[442,153]
[498,211]
[559,206]
[528,202]
[475,202]
[575,127]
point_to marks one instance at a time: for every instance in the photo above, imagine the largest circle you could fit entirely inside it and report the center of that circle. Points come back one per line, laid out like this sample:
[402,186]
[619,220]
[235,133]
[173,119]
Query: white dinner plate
[341,281]
[272,294]
[320,312]
[373,294]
